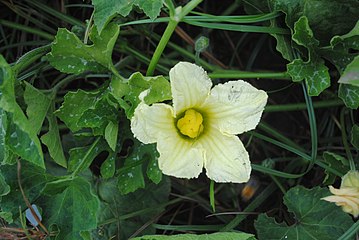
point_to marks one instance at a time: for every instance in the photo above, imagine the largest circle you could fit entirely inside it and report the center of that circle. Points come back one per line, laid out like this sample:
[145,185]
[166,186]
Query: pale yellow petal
[150,123]
[351,179]
[190,85]
[226,159]
[179,158]
[235,107]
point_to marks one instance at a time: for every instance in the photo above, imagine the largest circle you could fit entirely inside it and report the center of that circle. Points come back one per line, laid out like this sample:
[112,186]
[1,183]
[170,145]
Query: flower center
[191,123]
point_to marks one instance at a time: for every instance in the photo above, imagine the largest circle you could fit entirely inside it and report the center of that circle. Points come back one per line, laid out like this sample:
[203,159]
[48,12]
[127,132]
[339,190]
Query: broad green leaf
[20,136]
[82,157]
[70,55]
[3,127]
[341,49]
[153,171]
[326,18]
[355,136]
[314,218]
[74,105]
[111,133]
[53,141]
[33,180]
[131,175]
[127,94]
[37,106]
[4,187]
[350,95]
[73,210]
[314,71]
[351,73]
[84,109]
[336,162]
[100,116]
[213,236]
[105,10]
[129,212]
[108,167]
[7,216]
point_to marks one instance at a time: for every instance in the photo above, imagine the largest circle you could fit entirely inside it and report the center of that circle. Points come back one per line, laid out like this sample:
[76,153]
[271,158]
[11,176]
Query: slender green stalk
[235,74]
[27,29]
[350,232]
[84,161]
[313,127]
[172,24]
[30,57]
[345,142]
[211,196]
[302,106]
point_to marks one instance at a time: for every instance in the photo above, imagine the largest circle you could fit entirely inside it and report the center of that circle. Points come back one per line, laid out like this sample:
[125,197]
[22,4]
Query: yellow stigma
[191,123]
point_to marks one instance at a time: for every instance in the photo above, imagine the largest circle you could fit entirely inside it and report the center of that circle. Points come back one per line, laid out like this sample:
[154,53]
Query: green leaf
[351,73]
[314,71]
[37,106]
[82,157]
[53,141]
[74,106]
[153,171]
[70,55]
[73,210]
[213,236]
[341,49]
[4,187]
[111,133]
[105,10]
[20,137]
[350,95]
[108,167]
[327,18]
[125,214]
[7,216]
[355,136]
[314,218]
[127,94]
[336,162]
[83,109]
[131,176]
[33,180]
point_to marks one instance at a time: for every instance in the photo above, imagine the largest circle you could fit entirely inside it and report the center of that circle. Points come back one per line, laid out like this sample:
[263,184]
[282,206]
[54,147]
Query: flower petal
[226,159]
[190,85]
[235,107]
[179,158]
[150,123]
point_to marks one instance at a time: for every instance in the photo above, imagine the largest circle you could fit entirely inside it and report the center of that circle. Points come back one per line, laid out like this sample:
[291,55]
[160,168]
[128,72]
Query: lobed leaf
[105,10]
[73,210]
[351,73]
[314,218]
[350,95]
[154,89]
[336,162]
[314,71]
[70,55]
[20,137]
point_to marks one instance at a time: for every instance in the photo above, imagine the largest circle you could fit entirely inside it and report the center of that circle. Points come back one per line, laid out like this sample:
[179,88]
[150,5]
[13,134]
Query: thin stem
[211,196]
[345,142]
[27,29]
[234,74]
[172,24]
[302,106]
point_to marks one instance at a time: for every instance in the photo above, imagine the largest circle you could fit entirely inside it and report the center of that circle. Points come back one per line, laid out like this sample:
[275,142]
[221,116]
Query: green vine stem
[172,24]
[344,139]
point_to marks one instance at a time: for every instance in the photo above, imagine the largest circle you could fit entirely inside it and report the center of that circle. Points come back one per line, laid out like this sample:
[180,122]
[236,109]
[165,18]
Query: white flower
[348,195]
[199,130]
